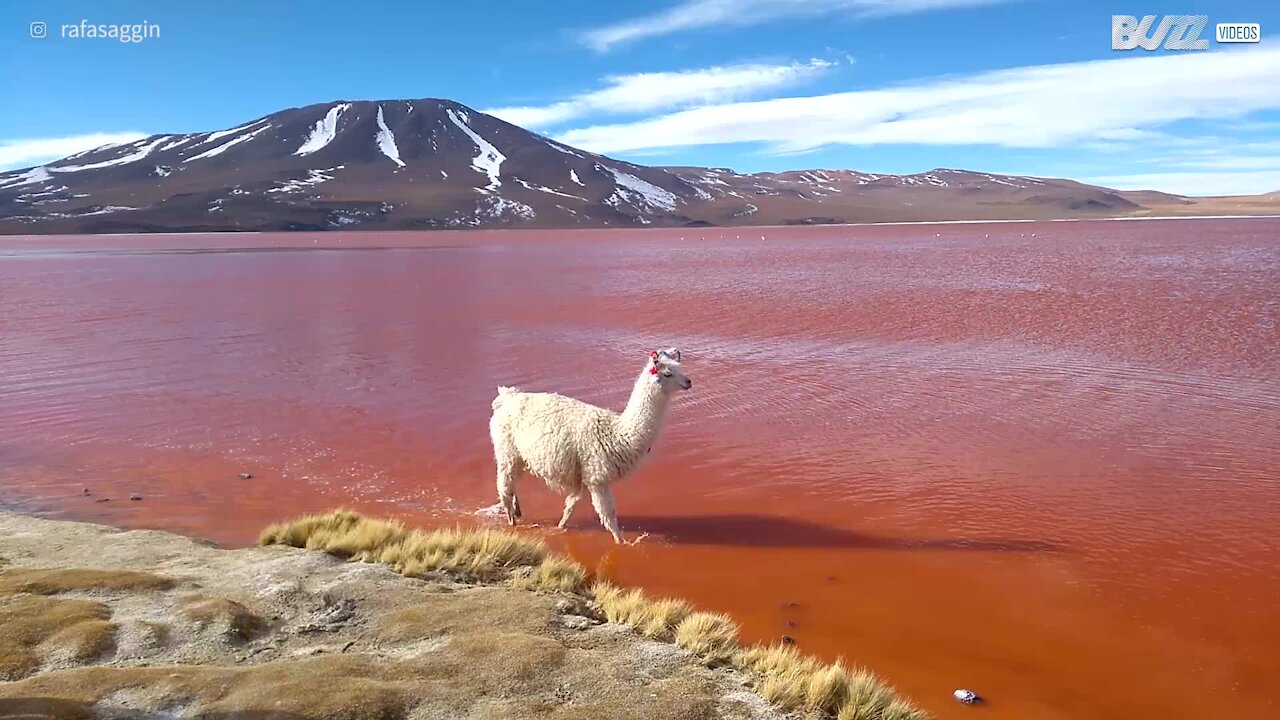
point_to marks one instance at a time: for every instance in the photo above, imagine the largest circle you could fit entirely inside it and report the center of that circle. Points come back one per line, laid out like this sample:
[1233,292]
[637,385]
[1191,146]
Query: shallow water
[1035,460]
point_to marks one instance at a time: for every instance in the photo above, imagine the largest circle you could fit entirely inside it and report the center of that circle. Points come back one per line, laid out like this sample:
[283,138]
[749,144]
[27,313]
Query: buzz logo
[1176,32]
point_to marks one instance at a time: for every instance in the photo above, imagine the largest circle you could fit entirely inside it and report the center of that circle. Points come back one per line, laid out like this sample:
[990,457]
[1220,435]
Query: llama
[577,448]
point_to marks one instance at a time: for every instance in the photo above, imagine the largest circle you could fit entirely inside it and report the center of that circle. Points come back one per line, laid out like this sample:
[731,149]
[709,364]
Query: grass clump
[51,581]
[711,636]
[295,532]
[482,554]
[869,698]
[655,619]
[33,627]
[231,618]
[796,682]
[777,659]
[554,574]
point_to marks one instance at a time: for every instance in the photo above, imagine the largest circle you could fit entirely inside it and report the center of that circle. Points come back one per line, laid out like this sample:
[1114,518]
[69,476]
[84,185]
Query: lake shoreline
[115,622]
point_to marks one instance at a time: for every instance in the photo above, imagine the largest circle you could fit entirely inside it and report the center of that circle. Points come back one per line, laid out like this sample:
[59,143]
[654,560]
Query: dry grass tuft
[785,690]
[655,619]
[868,698]
[900,709]
[765,660]
[33,627]
[233,619]
[826,689]
[481,554]
[618,605]
[555,574]
[295,532]
[711,636]
[44,581]
[797,682]
[663,617]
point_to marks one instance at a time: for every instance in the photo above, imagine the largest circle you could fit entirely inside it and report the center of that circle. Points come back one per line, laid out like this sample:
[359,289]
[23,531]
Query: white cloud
[1196,183]
[35,151]
[694,14]
[648,92]
[1036,106]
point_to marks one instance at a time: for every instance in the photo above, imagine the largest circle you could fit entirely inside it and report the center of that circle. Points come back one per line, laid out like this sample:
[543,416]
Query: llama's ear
[673,353]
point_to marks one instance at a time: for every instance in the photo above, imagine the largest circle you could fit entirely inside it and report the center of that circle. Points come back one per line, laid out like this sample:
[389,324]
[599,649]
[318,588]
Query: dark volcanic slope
[402,164]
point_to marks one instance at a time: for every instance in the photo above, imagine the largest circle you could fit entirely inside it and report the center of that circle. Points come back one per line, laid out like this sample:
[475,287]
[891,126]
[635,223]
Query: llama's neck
[642,419]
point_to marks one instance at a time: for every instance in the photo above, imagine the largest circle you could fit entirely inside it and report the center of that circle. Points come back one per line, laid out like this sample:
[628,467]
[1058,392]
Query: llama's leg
[508,470]
[602,499]
[570,502]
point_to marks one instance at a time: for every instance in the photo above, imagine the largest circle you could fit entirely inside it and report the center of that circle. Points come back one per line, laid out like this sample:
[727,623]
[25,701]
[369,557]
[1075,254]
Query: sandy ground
[101,623]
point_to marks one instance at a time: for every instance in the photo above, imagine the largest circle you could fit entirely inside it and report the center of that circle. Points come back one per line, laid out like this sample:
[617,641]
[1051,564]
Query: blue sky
[896,86]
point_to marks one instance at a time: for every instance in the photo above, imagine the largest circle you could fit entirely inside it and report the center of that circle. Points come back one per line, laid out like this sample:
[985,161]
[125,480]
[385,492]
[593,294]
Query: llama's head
[664,370]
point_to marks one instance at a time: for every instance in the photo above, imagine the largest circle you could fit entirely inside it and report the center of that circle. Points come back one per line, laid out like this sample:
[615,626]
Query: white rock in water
[968,697]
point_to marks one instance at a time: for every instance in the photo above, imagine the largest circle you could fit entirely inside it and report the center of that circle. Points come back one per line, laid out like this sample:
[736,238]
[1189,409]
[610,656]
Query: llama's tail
[503,392]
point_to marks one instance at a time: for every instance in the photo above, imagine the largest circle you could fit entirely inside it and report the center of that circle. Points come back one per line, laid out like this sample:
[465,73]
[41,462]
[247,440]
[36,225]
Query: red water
[1041,461]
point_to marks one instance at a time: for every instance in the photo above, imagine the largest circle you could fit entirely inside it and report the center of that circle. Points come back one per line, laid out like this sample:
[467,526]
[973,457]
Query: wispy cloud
[649,92]
[33,151]
[1030,107]
[694,14]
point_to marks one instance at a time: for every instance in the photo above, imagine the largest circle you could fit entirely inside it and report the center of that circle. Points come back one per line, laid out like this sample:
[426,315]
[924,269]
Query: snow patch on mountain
[565,150]
[163,171]
[489,161]
[697,190]
[574,177]
[216,136]
[539,188]
[28,177]
[142,152]
[325,130]
[223,148]
[636,191]
[502,207]
[387,141]
[314,177]
[104,210]
[171,145]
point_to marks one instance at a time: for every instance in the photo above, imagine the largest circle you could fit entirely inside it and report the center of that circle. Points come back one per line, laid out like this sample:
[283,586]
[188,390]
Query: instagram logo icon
[39,29]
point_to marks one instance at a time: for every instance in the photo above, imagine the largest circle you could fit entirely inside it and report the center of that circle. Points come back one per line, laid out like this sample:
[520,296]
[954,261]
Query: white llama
[577,448]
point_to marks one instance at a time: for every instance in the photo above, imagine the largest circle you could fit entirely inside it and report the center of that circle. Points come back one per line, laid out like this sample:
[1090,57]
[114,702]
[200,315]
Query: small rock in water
[246,476]
[968,697]
[789,623]
[788,640]
[86,491]
[791,605]
[135,497]
[104,500]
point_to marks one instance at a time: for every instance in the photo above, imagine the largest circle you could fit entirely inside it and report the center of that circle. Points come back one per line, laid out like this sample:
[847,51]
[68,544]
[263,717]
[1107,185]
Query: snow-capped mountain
[403,164]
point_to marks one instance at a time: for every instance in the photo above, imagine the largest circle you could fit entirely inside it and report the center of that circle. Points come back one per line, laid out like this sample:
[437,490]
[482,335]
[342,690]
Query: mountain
[425,164]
